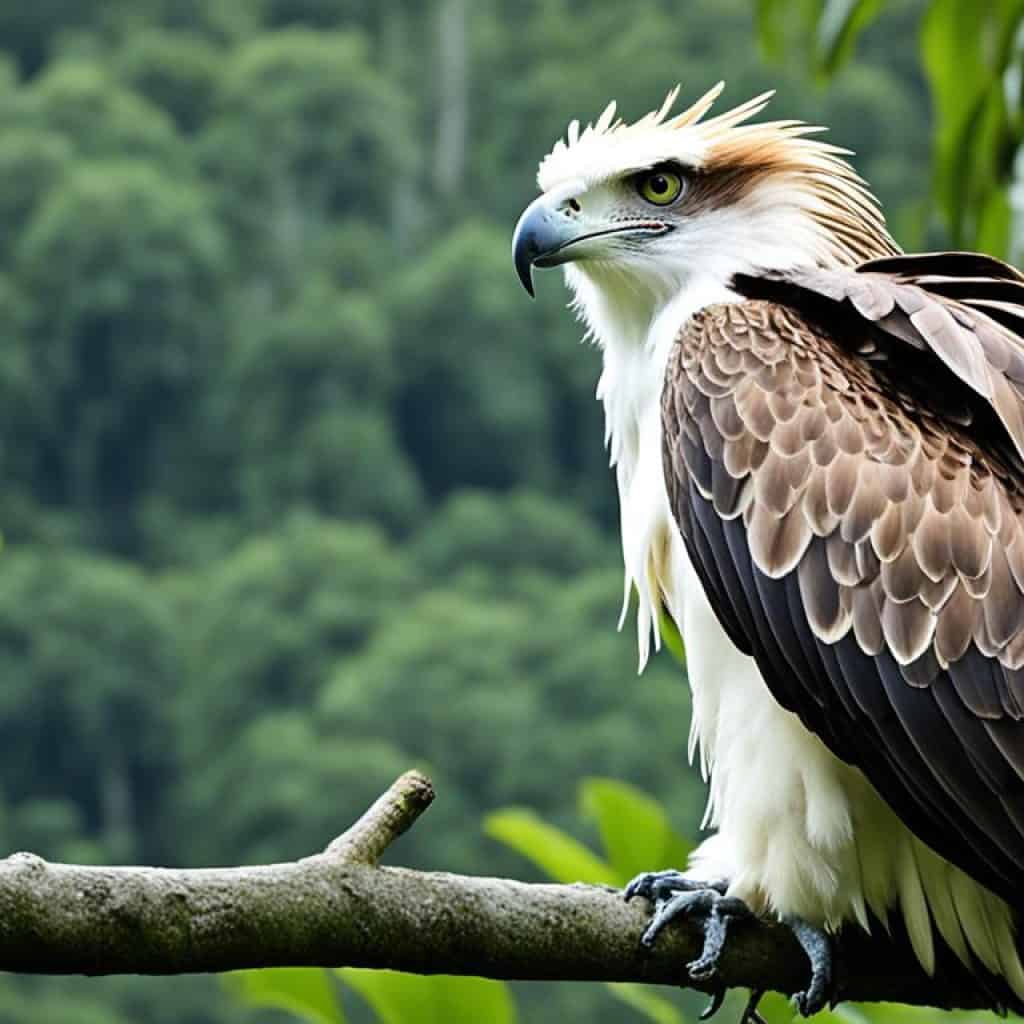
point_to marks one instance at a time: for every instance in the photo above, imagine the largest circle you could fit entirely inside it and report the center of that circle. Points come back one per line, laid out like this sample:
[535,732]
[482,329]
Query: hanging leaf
[555,852]
[635,829]
[966,50]
[783,24]
[841,22]
[304,992]
[398,998]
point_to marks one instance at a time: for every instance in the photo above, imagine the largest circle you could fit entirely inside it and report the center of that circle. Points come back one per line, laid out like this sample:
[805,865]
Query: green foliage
[87,651]
[301,117]
[307,994]
[966,50]
[559,855]
[403,998]
[969,53]
[309,410]
[448,669]
[635,829]
[304,992]
[827,28]
[636,836]
[298,489]
[647,1003]
[509,533]
[178,72]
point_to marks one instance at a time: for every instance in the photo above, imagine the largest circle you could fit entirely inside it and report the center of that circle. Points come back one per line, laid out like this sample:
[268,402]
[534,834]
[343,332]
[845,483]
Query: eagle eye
[659,186]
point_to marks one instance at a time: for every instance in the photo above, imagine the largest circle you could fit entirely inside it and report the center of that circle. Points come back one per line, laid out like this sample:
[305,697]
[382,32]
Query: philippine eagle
[818,444]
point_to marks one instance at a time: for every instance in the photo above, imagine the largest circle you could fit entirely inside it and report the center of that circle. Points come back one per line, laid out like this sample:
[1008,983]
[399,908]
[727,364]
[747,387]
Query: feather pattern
[912,593]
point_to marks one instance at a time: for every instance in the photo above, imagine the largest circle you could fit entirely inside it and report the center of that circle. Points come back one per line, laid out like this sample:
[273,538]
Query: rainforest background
[297,488]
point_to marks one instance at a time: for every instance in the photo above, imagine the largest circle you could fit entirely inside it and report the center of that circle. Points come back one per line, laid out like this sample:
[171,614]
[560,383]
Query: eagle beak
[545,230]
[553,230]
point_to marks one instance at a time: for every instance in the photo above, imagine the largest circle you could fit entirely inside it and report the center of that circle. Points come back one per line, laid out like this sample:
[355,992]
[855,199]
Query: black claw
[663,885]
[714,1006]
[750,1013]
[659,885]
[666,910]
[674,895]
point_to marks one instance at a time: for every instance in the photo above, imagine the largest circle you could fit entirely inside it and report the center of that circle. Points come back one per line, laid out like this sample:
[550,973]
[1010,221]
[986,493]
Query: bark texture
[338,908]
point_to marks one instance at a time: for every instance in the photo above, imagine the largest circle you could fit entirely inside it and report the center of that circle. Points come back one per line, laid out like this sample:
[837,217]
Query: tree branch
[337,909]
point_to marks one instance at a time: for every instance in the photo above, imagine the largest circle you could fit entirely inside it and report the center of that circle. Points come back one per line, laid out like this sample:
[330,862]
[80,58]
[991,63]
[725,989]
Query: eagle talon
[750,1013]
[714,1004]
[663,885]
[674,895]
[818,947]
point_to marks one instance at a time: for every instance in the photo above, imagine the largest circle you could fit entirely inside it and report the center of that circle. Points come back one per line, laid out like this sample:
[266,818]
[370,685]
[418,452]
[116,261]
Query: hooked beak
[550,231]
[541,236]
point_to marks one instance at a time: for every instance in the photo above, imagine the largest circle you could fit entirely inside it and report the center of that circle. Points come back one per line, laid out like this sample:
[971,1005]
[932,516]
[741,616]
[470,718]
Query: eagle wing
[842,454]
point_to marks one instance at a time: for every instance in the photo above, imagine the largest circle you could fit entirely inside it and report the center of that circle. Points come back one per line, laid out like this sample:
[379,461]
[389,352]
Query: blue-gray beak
[552,231]
[542,233]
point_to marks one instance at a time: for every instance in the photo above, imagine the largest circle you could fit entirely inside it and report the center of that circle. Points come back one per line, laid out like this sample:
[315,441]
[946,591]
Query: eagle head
[643,209]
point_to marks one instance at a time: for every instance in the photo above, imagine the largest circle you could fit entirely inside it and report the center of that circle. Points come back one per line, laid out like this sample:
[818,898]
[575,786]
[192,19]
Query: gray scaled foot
[674,895]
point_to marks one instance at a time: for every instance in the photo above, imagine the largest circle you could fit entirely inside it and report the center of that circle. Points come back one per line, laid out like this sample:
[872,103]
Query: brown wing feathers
[962,308]
[868,550]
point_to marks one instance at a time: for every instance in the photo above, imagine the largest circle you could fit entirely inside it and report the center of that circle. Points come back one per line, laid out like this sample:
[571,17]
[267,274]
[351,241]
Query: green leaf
[646,1002]
[958,78]
[966,49]
[775,1008]
[846,1013]
[558,854]
[634,828]
[783,25]
[769,27]
[838,27]
[672,638]
[398,998]
[305,992]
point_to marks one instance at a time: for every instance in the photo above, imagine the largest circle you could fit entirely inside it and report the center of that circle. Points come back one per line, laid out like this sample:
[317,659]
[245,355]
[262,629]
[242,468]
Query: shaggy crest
[726,149]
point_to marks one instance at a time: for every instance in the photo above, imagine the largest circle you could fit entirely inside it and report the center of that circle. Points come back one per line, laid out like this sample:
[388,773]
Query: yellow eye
[660,187]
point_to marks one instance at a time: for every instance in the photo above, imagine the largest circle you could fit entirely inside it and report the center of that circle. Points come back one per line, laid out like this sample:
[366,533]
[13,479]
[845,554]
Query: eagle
[818,444]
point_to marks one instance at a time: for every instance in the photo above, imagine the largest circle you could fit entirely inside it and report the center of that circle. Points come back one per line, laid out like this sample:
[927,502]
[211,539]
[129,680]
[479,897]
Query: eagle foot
[674,895]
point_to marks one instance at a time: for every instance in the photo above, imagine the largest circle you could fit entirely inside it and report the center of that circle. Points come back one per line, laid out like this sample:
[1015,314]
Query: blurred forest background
[298,489]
